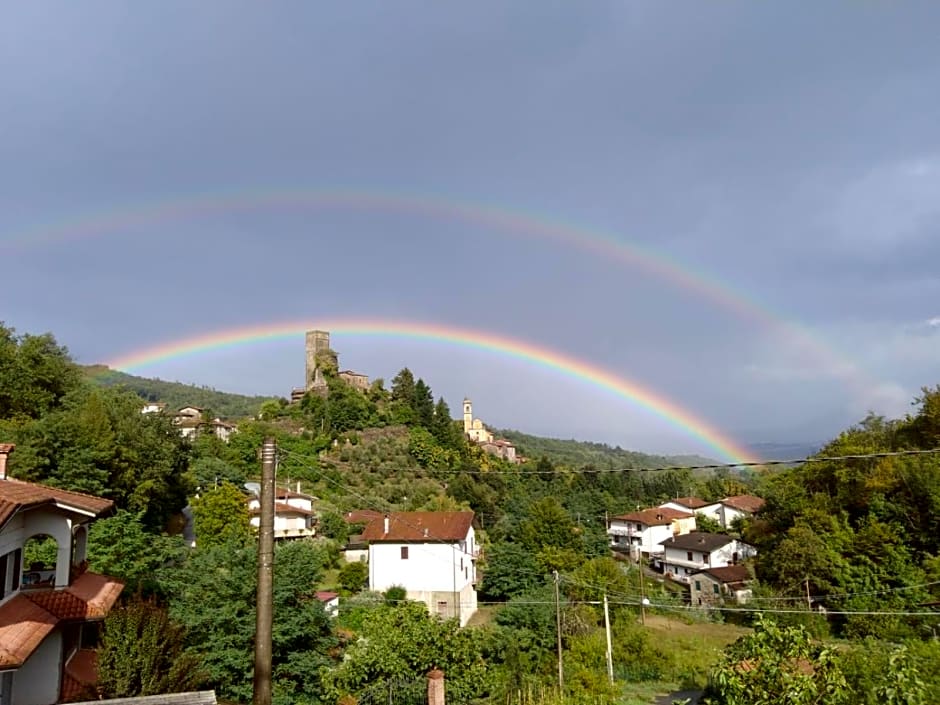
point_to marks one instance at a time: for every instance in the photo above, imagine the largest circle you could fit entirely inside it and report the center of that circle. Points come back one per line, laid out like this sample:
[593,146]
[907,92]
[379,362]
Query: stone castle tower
[317,347]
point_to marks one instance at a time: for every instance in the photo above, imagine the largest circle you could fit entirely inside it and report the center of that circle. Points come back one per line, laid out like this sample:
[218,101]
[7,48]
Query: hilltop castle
[319,356]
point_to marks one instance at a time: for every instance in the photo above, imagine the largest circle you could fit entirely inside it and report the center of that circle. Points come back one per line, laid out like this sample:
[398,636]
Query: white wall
[648,538]
[429,566]
[37,681]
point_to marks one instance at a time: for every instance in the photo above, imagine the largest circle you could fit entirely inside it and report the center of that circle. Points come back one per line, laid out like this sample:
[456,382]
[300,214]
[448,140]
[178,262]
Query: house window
[442,607]
[698,585]
[688,556]
[715,588]
[461,563]
[404,553]
[639,527]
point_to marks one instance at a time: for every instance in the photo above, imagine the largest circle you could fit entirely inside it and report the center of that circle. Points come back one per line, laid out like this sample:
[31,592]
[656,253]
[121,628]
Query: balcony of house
[294,532]
[696,562]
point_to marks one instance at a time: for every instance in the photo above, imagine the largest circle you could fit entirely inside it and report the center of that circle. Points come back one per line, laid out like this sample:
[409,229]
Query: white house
[739,506]
[293,514]
[430,554]
[642,532]
[330,601]
[49,614]
[153,407]
[689,553]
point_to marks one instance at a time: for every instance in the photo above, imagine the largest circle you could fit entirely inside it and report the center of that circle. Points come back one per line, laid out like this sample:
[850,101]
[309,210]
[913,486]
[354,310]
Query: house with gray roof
[686,554]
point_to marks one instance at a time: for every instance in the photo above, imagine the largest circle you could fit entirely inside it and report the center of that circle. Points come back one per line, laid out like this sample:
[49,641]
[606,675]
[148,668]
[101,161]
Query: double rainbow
[619,386]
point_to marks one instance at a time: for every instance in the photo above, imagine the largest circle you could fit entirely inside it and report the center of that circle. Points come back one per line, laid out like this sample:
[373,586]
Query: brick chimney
[386,524]
[5,450]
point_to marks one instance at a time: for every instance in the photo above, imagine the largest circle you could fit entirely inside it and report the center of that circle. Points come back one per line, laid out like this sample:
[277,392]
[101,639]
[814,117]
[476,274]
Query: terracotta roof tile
[729,574]
[690,502]
[657,516]
[744,502]
[326,595]
[282,508]
[23,626]
[16,495]
[100,592]
[420,526]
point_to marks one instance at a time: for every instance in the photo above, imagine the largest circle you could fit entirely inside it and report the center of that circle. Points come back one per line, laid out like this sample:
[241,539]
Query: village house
[153,407]
[689,553]
[642,532]
[294,517]
[692,505]
[356,550]
[717,586]
[432,555]
[330,602]
[741,506]
[49,614]
[190,422]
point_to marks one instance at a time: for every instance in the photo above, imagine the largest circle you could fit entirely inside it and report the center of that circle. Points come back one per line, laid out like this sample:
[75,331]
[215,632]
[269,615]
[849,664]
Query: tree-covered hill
[176,394]
[576,453]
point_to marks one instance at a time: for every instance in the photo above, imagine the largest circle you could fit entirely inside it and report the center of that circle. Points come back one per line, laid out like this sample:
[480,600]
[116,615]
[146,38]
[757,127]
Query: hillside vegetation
[862,536]
[176,394]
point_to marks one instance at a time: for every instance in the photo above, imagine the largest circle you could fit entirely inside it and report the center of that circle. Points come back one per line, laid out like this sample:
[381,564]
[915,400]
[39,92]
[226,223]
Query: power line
[715,466]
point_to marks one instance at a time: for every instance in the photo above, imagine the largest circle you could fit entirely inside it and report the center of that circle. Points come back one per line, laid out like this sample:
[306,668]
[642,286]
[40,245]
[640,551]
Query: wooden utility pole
[610,653]
[265,598]
[809,602]
[561,667]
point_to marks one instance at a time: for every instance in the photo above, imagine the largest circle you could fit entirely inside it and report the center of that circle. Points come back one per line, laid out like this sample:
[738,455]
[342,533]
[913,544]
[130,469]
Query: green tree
[423,405]
[354,576]
[97,441]
[36,374]
[221,629]
[510,570]
[548,524]
[777,665]
[220,515]
[404,642]
[120,546]
[708,524]
[142,653]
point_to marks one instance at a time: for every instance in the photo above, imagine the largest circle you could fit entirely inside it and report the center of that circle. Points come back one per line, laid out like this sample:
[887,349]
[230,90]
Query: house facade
[718,586]
[49,614]
[685,555]
[294,517]
[642,532]
[737,507]
[432,555]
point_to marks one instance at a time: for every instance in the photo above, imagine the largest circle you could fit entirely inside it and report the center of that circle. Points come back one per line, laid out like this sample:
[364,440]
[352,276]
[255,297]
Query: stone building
[319,355]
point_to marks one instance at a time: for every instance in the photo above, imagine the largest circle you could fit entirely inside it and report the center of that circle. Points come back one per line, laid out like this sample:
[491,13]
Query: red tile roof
[27,618]
[16,495]
[657,516]
[23,626]
[420,526]
[744,502]
[281,508]
[326,596]
[730,573]
[690,502]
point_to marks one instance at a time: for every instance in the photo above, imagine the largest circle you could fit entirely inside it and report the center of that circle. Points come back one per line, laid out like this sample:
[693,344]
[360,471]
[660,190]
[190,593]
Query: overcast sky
[788,153]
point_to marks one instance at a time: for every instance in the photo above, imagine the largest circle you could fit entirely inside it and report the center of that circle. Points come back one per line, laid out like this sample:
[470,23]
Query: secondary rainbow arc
[517,222]
[639,396]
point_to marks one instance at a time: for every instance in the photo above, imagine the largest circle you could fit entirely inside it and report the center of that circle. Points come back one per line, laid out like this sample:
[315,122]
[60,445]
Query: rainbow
[639,396]
[517,222]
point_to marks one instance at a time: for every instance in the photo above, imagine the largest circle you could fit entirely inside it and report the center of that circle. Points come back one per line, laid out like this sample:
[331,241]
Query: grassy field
[697,645]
